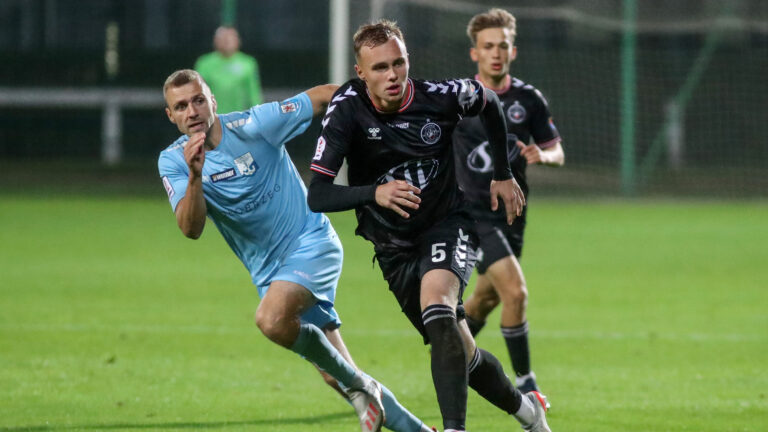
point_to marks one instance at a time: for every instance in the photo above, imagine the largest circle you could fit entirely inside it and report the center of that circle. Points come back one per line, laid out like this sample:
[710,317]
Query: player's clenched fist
[531,153]
[396,195]
[194,153]
[510,194]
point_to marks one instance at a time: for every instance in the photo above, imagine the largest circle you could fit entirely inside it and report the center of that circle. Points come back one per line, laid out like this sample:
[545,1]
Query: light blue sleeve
[278,123]
[175,177]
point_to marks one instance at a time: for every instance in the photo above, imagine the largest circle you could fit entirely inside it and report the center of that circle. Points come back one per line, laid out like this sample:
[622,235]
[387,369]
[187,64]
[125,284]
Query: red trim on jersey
[407,99]
[495,90]
[322,170]
[550,143]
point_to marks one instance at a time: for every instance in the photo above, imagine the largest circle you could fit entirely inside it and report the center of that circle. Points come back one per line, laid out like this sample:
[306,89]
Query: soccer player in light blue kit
[234,168]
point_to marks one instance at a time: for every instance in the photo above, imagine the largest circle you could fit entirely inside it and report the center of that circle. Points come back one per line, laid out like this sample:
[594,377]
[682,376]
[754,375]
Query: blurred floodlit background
[652,97]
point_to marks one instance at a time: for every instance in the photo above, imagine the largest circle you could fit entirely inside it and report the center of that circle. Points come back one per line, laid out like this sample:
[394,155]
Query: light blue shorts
[314,264]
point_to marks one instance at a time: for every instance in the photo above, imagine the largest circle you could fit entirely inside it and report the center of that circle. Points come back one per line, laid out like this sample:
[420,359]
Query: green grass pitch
[645,316]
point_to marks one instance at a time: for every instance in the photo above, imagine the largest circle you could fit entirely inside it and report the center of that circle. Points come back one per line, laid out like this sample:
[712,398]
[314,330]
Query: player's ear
[473,54]
[514,53]
[170,117]
[359,72]
[213,102]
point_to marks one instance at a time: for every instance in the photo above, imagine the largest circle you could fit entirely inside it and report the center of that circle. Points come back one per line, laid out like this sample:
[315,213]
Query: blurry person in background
[533,140]
[232,75]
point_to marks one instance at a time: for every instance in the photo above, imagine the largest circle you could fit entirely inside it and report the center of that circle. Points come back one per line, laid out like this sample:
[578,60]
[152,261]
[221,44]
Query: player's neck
[497,84]
[213,137]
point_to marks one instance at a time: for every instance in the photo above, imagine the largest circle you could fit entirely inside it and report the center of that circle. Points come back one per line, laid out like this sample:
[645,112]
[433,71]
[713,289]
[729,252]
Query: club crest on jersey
[516,113]
[246,165]
[430,133]
[374,133]
[289,107]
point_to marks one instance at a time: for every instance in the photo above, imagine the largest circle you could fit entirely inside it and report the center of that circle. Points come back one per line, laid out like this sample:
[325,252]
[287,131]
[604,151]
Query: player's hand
[532,153]
[510,194]
[397,195]
[194,154]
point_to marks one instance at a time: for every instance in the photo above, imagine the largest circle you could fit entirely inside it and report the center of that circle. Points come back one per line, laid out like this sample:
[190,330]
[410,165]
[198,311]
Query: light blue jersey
[252,189]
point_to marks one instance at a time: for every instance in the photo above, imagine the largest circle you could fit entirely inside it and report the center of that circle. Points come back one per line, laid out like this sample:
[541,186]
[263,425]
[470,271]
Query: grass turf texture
[645,316]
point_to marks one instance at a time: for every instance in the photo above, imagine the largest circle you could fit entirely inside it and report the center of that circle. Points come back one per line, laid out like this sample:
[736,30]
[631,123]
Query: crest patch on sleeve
[168,187]
[289,106]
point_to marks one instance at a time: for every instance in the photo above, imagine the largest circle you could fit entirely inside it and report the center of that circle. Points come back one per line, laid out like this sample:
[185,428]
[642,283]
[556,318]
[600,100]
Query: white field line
[245,330]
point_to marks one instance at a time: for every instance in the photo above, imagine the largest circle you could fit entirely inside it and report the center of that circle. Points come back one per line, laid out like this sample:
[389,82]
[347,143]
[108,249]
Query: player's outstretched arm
[321,96]
[503,185]
[190,212]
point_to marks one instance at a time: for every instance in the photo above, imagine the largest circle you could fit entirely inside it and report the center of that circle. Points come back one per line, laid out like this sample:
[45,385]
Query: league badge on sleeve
[552,125]
[319,149]
[289,106]
[168,187]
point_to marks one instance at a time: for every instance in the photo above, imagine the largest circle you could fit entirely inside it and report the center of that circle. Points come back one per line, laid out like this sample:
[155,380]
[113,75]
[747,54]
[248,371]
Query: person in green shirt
[233,76]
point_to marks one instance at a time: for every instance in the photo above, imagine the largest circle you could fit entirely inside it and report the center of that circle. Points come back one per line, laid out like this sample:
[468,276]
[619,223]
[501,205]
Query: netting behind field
[700,123]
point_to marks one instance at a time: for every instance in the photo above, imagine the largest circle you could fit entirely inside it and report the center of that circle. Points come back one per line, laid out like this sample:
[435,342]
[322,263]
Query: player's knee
[515,294]
[278,328]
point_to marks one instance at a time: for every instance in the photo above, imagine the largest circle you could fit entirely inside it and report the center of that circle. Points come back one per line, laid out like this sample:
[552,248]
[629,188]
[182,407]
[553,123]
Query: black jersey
[412,144]
[527,116]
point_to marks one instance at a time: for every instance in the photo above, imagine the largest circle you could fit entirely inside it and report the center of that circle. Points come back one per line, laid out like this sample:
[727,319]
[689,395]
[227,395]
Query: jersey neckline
[497,91]
[407,99]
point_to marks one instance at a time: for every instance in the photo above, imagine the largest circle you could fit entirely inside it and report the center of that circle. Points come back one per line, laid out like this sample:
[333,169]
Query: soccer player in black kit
[500,276]
[395,133]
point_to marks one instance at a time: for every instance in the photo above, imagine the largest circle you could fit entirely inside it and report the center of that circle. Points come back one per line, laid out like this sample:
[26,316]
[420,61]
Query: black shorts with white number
[449,245]
[499,240]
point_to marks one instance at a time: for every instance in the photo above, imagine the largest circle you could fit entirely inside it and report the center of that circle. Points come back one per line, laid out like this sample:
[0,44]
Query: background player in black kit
[396,135]
[500,276]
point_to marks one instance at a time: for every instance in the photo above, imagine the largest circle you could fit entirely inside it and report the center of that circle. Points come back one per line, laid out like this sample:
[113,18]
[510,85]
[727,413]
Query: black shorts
[449,245]
[499,240]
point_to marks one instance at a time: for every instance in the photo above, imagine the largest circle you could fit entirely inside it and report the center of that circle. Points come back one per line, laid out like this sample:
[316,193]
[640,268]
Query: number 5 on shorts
[438,252]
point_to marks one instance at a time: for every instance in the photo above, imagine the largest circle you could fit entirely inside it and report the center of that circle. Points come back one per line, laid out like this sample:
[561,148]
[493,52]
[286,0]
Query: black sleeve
[470,97]
[492,117]
[542,127]
[325,196]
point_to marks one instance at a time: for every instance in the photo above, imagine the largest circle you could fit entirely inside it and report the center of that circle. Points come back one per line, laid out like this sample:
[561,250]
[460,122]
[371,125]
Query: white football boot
[367,404]
[540,406]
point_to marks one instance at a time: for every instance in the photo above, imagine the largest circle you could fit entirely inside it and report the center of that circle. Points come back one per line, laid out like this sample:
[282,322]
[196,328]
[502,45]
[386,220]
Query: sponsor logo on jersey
[319,149]
[415,172]
[168,187]
[219,176]
[516,113]
[479,159]
[289,107]
[246,165]
[374,133]
[430,133]
[400,125]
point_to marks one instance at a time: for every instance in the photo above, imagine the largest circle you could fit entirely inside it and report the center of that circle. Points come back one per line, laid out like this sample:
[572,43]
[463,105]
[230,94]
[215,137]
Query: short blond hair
[494,18]
[182,77]
[375,34]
